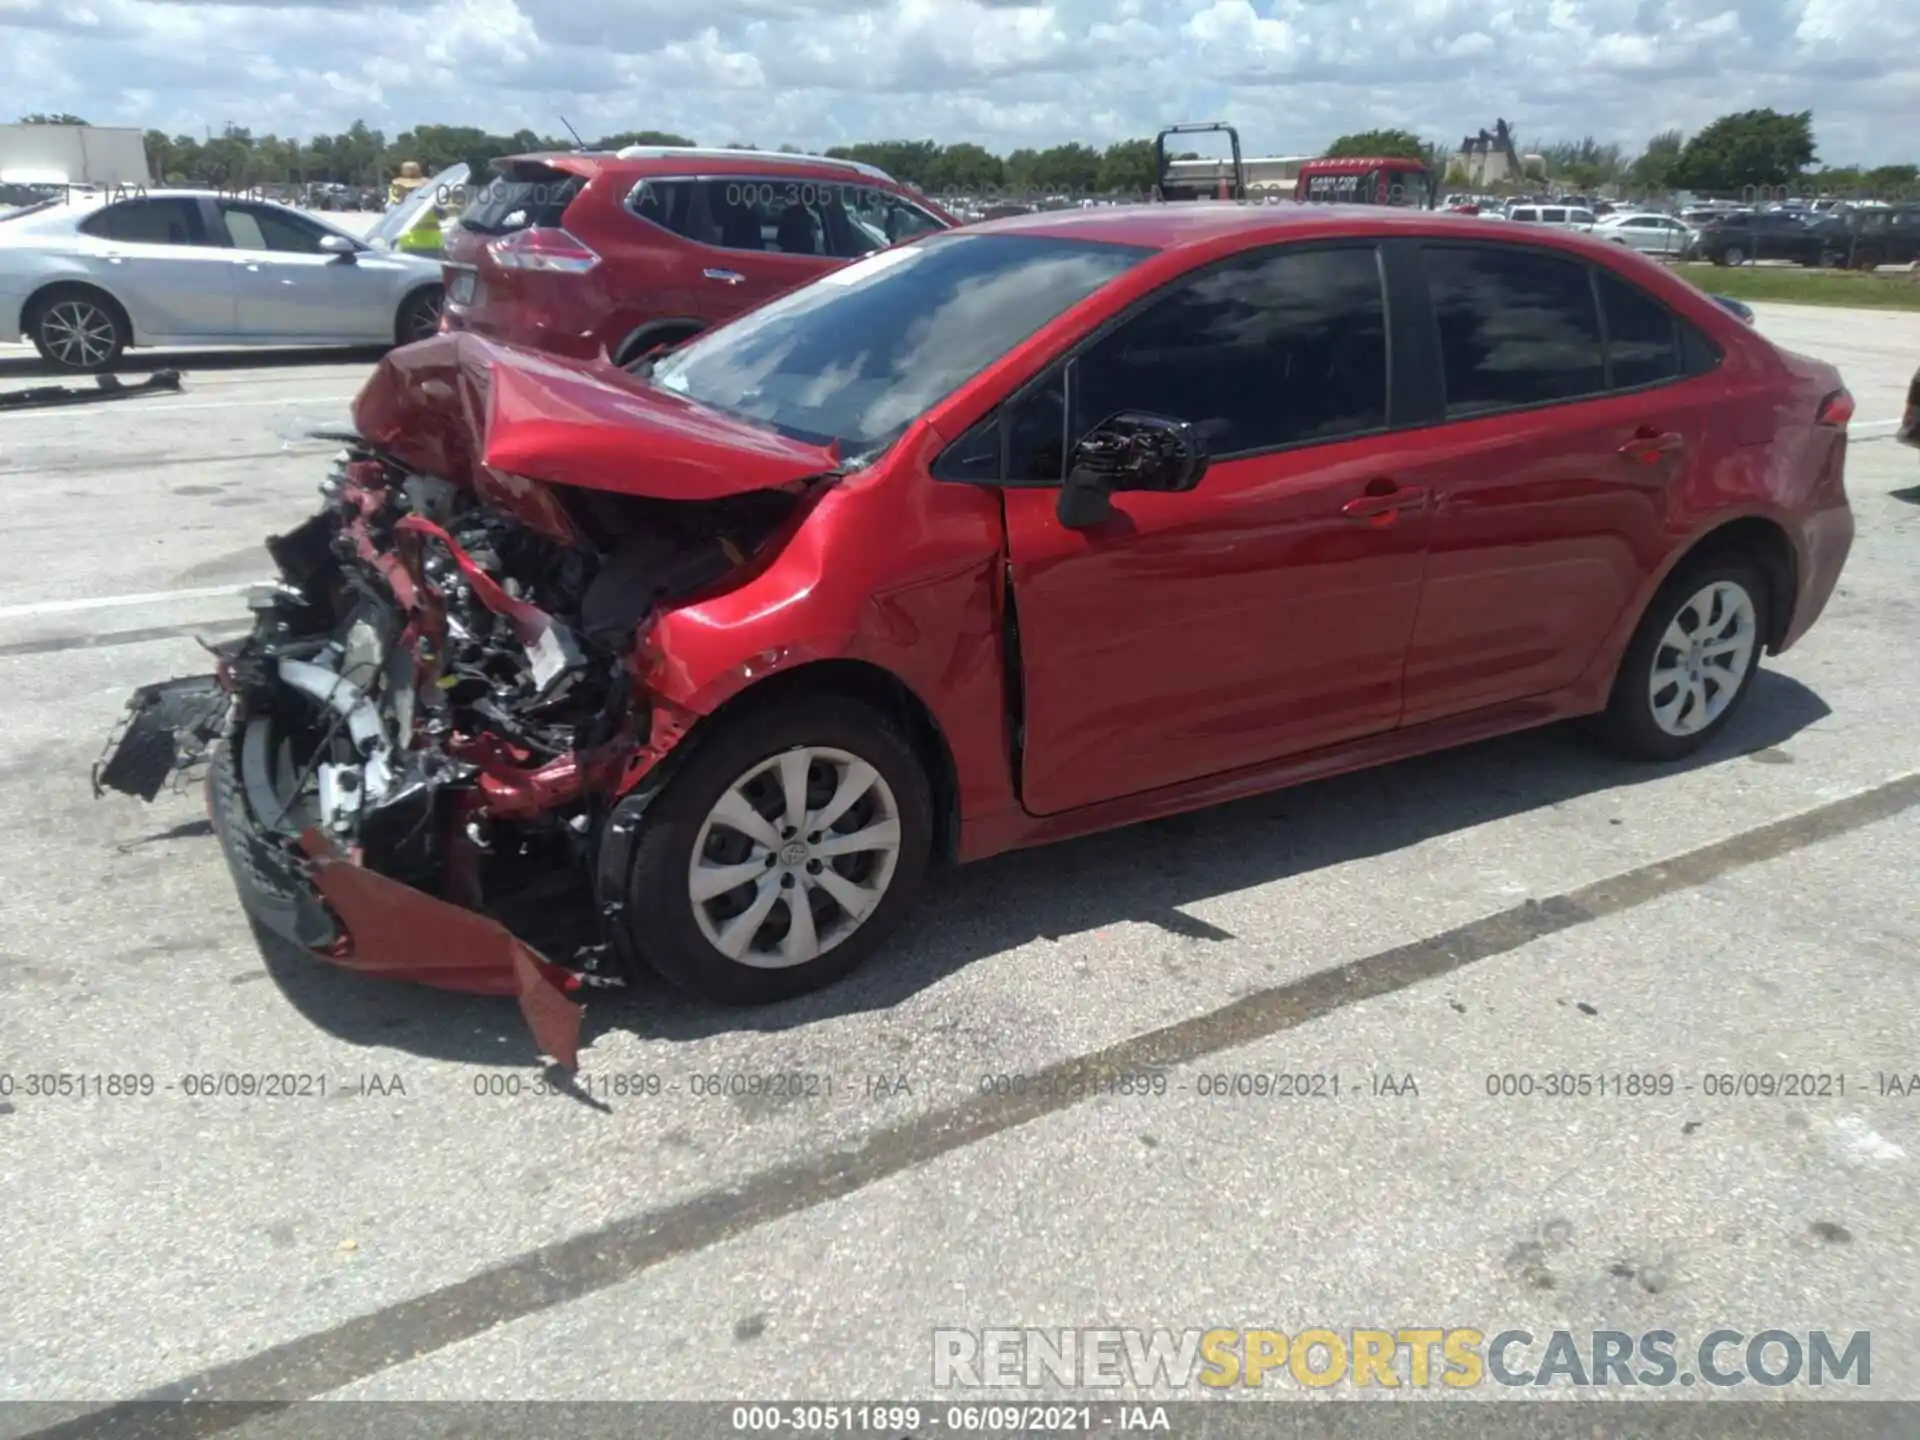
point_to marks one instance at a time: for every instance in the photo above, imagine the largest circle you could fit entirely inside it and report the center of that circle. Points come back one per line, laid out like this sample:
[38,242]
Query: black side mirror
[1128,451]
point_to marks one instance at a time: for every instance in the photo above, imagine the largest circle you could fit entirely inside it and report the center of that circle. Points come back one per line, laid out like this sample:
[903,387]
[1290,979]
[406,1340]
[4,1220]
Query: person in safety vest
[423,236]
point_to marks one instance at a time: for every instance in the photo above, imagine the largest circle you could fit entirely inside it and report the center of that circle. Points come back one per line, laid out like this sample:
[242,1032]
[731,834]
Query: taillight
[1836,410]
[543,248]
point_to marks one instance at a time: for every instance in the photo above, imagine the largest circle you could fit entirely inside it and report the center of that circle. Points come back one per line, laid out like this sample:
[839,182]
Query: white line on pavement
[109,602]
[134,407]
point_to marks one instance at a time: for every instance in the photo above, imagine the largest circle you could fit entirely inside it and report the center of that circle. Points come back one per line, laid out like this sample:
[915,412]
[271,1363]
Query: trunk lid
[468,409]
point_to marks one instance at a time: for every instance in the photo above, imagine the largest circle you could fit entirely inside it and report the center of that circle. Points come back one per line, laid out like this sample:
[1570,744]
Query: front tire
[775,862]
[1690,663]
[1733,255]
[78,330]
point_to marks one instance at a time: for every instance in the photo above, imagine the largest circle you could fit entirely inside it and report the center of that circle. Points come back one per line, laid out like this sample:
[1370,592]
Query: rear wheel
[781,855]
[419,315]
[1733,255]
[78,329]
[1689,664]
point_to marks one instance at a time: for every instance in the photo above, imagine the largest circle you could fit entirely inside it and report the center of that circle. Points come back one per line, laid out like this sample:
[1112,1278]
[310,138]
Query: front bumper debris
[312,895]
[168,729]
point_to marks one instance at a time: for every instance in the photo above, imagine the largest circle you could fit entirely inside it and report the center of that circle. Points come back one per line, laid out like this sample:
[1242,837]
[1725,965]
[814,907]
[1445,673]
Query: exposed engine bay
[413,756]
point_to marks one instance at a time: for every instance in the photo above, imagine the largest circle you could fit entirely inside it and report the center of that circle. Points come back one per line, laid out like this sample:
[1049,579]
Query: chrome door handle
[725,277]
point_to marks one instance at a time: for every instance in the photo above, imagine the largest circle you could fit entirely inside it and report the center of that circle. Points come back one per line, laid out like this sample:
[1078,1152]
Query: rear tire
[1690,662]
[419,315]
[78,329]
[696,834]
[1733,255]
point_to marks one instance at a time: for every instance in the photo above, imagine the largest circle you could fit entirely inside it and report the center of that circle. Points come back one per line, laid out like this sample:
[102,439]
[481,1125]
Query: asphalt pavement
[789,1202]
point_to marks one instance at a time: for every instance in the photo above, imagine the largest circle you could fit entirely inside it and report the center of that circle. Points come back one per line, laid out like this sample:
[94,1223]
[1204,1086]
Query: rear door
[1266,612]
[753,237]
[1566,419]
[158,258]
[288,287]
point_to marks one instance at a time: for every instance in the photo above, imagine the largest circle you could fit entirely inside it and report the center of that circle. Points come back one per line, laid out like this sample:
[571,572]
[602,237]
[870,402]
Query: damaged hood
[457,403]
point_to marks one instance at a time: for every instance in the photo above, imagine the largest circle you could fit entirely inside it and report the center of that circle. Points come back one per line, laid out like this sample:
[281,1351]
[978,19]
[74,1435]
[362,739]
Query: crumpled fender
[399,933]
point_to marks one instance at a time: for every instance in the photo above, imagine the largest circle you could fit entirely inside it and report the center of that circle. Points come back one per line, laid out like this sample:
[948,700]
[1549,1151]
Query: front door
[289,288]
[1549,477]
[1266,612]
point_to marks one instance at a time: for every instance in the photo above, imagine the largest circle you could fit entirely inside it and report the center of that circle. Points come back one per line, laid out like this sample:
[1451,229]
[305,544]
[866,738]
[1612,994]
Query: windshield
[862,352]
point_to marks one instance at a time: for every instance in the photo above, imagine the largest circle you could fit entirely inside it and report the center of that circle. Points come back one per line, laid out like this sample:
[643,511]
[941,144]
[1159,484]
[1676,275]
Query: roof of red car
[1162,227]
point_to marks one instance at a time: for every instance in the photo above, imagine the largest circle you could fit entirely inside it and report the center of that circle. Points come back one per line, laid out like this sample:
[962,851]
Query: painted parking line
[110,602]
[67,413]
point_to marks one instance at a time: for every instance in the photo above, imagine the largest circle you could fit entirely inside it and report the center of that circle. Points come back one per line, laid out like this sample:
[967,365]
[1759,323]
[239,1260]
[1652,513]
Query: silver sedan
[1649,234]
[84,280]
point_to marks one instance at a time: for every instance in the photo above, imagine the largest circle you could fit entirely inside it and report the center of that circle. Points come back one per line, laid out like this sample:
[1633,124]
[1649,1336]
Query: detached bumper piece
[168,729]
[105,387]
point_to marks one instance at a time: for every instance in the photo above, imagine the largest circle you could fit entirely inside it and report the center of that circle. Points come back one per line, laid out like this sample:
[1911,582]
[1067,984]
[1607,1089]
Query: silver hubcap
[794,856]
[78,333]
[1702,658]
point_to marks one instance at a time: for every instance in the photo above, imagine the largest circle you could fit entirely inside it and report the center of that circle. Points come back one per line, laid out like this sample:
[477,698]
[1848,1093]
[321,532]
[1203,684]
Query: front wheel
[1690,663]
[782,854]
[1733,255]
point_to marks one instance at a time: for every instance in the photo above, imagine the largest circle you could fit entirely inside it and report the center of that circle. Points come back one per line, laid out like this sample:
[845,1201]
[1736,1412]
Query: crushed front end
[411,758]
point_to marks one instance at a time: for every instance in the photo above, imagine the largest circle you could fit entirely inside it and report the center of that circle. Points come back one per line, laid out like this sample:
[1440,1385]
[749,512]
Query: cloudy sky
[1290,73]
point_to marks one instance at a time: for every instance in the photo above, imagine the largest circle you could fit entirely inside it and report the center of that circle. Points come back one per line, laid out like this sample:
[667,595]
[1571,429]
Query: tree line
[1750,148]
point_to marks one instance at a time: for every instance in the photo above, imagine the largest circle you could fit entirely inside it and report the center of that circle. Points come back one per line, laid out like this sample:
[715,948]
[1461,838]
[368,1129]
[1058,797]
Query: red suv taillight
[1836,410]
[542,248]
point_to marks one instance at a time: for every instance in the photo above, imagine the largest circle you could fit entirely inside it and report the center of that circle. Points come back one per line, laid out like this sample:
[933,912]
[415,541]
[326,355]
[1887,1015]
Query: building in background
[73,155]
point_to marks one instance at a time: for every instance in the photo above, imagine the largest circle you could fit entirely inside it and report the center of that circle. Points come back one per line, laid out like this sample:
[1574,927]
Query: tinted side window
[1517,327]
[1265,350]
[255,227]
[149,222]
[740,214]
[1643,336]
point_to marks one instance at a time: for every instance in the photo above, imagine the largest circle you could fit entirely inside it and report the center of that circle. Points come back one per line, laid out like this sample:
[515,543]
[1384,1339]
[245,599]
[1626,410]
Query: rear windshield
[518,196]
[861,353]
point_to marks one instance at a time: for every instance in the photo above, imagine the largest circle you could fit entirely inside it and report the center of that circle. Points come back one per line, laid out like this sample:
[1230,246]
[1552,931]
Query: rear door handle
[1383,502]
[1649,446]
[725,277]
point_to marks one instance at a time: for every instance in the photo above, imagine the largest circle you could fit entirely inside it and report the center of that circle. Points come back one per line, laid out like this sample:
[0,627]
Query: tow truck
[1346,179]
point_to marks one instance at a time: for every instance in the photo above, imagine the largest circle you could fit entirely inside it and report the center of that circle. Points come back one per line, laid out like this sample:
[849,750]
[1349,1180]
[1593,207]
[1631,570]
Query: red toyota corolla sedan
[1009,534]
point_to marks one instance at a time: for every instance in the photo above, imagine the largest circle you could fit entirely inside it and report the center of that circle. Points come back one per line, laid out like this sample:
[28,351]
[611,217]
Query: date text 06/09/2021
[898,1418]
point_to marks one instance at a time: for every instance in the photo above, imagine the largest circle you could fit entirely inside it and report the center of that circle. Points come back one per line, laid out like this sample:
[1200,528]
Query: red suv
[589,254]
[1010,534]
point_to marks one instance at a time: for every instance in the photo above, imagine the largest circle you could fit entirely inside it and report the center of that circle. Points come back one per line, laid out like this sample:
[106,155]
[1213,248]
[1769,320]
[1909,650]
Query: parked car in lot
[1004,535]
[1739,238]
[585,254]
[1650,234]
[1564,217]
[84,281]
[1889,236]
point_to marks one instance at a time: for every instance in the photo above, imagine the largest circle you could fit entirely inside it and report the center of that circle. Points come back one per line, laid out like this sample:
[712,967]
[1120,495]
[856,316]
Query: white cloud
[1291,74]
